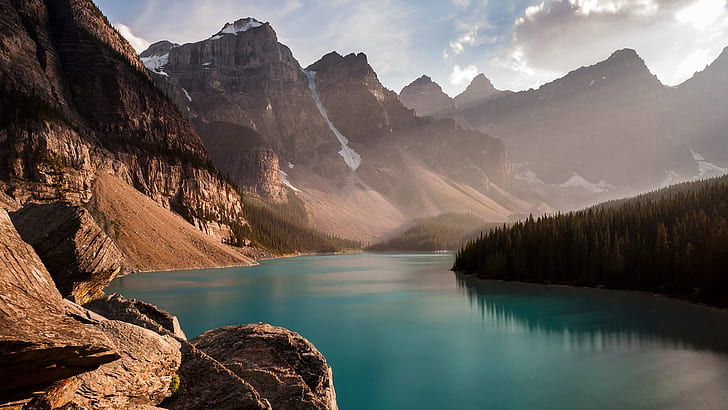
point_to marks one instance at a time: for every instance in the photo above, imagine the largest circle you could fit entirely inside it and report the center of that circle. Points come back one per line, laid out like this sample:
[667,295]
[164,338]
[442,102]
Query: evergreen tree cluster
[673,241]
[283,228]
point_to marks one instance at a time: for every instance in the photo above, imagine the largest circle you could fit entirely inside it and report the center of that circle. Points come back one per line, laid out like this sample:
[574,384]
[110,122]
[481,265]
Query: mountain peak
[240,26]
[355,64]
[625,54]
[479,89]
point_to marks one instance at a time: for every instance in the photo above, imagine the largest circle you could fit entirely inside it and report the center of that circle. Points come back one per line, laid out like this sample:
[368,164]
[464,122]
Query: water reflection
[594,319]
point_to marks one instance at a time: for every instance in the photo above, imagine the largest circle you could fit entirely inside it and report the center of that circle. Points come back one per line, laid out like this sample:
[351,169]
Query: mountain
[697,114]
[331,134]
[479,90]
[603,122]
[84,105]
[425,97]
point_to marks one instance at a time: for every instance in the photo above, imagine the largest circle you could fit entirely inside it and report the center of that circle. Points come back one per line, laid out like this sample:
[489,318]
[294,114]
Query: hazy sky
[518,44]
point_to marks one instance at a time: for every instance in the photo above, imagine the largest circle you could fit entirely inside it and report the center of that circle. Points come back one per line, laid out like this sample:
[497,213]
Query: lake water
[402,332]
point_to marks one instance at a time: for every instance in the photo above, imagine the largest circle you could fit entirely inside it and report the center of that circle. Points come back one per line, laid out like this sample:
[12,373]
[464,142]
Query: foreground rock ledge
[284,367]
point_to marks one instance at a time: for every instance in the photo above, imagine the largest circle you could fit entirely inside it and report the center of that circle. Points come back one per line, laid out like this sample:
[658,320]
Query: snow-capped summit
[239,26]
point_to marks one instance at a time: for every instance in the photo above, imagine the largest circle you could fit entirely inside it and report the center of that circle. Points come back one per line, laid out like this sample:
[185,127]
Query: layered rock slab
[81,258]
[39,343]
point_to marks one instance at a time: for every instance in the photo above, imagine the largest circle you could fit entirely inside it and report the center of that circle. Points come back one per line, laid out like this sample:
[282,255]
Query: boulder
[142,377]
[207,384]
[285,368]
[137,312]
[81,258]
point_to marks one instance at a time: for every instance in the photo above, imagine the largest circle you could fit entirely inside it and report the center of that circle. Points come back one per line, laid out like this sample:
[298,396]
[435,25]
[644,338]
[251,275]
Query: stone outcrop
[137,312]
[81,258]
[282,366]
[39,343]
[425,97]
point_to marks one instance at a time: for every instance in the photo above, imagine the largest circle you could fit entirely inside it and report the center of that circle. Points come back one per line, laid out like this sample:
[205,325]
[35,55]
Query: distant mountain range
[331,133]
[610,126]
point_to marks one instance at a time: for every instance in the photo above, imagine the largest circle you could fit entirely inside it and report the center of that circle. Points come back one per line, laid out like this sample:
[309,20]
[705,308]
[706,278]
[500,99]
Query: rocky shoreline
[113,352]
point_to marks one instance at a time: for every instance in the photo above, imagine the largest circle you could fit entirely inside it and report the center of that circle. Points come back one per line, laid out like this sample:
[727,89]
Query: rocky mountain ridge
[331,132]
[613,126]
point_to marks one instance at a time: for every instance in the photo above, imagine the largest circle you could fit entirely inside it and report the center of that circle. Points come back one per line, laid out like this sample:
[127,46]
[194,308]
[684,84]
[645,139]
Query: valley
[229,178]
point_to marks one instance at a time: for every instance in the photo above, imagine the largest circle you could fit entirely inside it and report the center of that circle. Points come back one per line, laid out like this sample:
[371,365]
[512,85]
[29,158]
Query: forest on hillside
[442,232]
[673,241]
[283,229]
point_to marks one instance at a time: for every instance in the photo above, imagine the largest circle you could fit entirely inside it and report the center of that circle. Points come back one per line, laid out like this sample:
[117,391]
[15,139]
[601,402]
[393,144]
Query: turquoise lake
[403,332]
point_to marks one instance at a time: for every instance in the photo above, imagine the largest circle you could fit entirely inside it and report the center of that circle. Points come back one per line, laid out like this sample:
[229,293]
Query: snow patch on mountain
[577,181]
[671,179]
[286,182]
[189,97]
[707,169]
[352,159]
[156,63]
[696,156]
[529,176]
[240,26]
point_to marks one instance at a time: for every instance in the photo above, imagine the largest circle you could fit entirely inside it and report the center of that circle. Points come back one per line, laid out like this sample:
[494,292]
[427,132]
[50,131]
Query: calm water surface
[402,332]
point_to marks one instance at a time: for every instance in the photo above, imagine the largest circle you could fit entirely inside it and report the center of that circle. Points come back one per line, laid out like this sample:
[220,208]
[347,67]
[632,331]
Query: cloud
[675,37]
[138,43]
[461,3]
[463,76]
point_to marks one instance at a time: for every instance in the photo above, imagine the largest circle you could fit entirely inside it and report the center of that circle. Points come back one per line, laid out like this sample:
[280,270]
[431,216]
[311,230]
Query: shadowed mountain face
[426,97]
[330,131]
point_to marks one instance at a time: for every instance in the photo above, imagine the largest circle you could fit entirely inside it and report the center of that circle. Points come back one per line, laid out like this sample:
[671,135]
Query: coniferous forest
[673,241]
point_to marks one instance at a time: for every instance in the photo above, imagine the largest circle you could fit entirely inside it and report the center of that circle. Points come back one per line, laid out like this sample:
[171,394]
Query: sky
[518,44]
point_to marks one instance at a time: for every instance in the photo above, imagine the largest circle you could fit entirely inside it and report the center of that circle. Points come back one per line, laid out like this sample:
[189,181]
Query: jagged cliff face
[388,134]
[244,77]
[356,102]
[83,103]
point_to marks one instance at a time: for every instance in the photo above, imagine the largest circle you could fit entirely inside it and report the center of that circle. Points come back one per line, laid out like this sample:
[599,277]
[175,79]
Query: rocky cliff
[83,103]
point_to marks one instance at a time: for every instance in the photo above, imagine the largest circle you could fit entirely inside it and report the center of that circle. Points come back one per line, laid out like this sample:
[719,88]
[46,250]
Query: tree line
[673,241]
